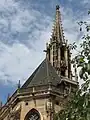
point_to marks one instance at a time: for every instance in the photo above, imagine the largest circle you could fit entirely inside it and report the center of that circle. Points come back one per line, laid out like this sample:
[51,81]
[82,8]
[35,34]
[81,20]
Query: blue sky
[25,27]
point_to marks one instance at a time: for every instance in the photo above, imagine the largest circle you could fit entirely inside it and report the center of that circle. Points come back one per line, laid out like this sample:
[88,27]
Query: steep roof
[44,74]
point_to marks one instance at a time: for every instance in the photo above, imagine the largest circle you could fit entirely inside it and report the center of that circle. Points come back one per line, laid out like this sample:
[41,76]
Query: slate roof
[44,74]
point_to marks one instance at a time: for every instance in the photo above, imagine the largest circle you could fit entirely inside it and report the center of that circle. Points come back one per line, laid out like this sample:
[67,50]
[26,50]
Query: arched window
[33,114]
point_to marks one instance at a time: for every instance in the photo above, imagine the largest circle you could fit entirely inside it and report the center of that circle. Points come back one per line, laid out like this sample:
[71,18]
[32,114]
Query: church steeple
[58,52]
[57,32]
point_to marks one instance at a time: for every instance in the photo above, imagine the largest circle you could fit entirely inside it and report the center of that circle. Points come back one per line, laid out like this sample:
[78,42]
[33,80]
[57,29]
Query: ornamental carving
[63,64]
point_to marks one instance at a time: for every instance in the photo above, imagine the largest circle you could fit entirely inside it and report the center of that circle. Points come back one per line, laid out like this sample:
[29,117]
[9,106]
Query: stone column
[51,55]
[50,109]
[66,60]
[59,60]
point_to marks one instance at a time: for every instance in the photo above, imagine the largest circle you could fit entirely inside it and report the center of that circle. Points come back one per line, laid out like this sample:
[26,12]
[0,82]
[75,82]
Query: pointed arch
[33,114]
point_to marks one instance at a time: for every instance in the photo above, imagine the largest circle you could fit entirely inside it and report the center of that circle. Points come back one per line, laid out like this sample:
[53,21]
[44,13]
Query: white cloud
[17,62]
[23,20]
[85,1]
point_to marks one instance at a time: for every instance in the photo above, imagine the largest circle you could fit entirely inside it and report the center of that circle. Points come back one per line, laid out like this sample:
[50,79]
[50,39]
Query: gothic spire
[57,50]
[57,33]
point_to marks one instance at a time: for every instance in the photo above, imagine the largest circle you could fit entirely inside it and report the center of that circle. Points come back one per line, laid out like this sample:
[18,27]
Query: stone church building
[47,90]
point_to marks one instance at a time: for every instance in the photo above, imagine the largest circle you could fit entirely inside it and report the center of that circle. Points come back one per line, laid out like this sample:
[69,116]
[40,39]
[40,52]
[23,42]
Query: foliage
[79,107]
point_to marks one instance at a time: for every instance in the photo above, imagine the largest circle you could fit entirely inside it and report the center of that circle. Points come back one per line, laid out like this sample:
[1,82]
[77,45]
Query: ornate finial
[47,45]
[19,84]
[0,104]
[8,97]
[57,7]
